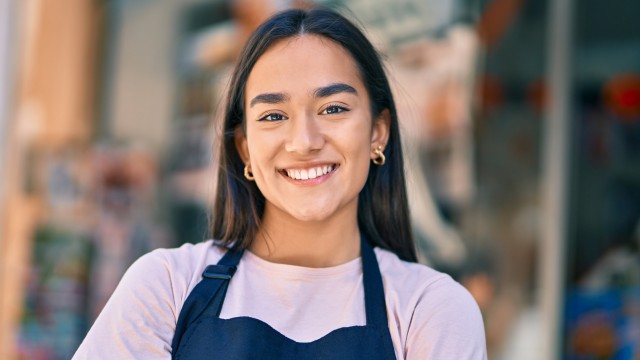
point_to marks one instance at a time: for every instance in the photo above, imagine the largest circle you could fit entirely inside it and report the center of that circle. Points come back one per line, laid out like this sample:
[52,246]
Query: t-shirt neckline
[347,268]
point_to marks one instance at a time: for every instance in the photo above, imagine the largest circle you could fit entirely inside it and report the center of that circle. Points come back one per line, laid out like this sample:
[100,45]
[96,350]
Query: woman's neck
[286,240]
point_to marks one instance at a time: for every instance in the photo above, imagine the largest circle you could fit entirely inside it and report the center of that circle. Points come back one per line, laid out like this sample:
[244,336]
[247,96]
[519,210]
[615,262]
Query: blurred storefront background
[521,123]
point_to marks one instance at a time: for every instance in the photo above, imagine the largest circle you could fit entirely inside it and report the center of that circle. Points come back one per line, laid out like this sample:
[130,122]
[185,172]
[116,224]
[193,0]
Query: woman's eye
[334,109]
[272,117]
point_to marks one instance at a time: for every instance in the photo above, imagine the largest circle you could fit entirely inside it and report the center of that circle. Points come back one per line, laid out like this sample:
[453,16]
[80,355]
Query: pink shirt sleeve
[139,319]
[446,324]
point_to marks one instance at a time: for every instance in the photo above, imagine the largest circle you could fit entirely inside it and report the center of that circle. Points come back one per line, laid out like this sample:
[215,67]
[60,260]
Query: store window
[603,278]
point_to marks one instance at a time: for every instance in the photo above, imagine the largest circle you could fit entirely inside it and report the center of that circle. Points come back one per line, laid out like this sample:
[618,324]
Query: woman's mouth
[309,173]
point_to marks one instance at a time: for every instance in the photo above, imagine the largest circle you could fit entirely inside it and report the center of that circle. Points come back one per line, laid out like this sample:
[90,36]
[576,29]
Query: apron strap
[215,280]
[375,304]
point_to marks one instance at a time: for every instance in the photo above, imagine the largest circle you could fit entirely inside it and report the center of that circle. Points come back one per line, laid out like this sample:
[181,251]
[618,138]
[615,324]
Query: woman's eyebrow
[333,89]
[321,92]
[269,98]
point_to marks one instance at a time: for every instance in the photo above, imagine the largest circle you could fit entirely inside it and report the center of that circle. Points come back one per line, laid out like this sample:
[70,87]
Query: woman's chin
[307,210]
[311,215]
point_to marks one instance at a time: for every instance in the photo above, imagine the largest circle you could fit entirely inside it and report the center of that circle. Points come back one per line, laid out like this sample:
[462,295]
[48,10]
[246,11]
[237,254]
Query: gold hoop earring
[248,174]
[380,159]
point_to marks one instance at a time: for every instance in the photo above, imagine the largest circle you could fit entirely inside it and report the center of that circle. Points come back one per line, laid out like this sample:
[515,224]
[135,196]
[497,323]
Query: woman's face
[309,129]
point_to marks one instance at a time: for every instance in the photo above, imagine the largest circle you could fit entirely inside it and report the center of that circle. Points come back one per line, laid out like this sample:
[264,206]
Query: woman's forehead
[306,61]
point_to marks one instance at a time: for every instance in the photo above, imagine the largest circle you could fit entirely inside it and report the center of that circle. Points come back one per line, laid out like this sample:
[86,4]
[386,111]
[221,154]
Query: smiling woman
[323,119]
[313,257]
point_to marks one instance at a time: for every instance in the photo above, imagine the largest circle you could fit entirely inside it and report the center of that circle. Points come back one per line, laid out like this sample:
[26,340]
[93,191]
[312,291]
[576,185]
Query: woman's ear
[241,144]
[380,131]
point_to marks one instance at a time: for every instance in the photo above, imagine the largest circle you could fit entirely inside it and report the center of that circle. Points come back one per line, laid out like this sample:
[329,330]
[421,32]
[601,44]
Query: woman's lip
[308,166]
[316,180]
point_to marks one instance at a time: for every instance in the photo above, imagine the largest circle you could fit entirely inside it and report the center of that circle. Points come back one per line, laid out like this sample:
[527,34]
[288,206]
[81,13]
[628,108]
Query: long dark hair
[383,214]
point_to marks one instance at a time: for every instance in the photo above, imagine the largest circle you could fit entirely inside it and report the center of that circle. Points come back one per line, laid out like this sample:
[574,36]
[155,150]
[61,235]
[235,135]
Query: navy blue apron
[202,334]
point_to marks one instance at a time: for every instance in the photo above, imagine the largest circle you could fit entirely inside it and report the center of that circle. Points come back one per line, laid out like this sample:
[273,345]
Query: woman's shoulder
[412,275]
[437,317]
[186,254]
[419,284]
[188,257]
[158,281]
[181,266]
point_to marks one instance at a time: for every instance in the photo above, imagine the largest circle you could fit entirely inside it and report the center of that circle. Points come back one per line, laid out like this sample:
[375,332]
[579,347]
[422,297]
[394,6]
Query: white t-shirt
[430,315]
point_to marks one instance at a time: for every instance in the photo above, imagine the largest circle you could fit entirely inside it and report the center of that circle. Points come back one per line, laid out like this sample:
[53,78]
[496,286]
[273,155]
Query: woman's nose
[305,136]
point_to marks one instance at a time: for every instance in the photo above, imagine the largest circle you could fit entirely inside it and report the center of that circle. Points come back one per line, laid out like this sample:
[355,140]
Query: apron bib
[202,334]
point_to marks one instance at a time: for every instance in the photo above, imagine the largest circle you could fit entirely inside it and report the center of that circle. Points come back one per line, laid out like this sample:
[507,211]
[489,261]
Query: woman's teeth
[312,173]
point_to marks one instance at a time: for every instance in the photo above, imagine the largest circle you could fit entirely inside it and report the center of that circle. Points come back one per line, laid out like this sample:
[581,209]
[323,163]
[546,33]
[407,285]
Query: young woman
[314,257]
